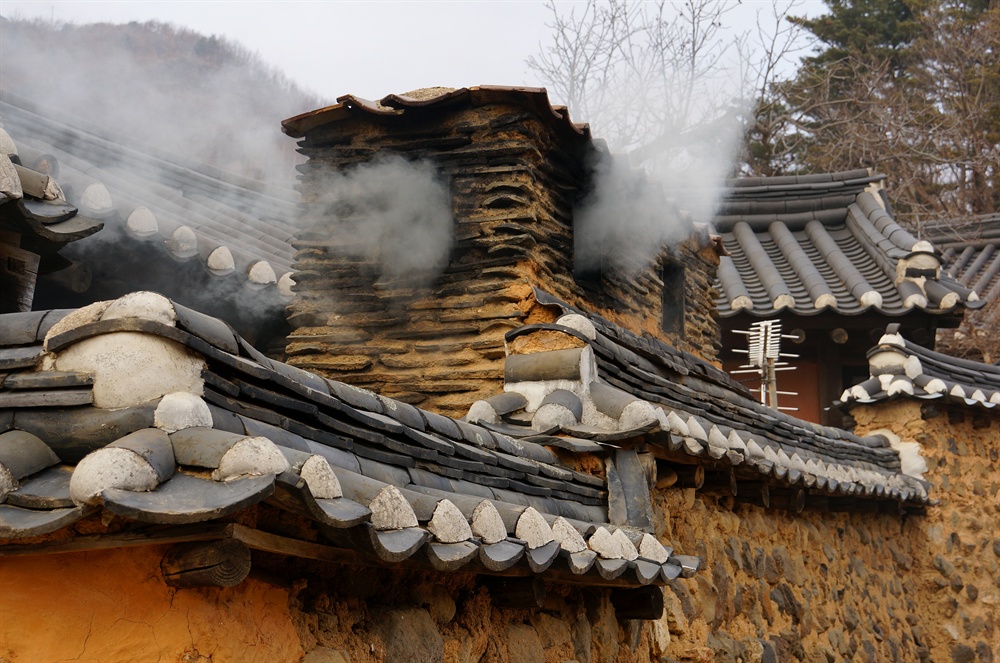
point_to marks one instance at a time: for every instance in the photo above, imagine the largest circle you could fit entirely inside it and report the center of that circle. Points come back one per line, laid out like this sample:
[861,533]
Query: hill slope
[200,96]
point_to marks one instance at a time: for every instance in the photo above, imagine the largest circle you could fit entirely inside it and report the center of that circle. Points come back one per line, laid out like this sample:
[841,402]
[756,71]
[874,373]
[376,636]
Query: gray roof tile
[700,411]
[901,368]
[840,250]
[371,444]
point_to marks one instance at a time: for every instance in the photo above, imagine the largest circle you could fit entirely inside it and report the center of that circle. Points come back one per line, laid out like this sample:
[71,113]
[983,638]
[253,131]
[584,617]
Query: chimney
[514,167]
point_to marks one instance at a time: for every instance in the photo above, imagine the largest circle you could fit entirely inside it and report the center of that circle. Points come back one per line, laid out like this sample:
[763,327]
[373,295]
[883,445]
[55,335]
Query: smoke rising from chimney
[661,82]
[394,212]
[647,200]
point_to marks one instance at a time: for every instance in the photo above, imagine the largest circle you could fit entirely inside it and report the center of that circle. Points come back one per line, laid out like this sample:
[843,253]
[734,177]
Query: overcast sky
[368,48]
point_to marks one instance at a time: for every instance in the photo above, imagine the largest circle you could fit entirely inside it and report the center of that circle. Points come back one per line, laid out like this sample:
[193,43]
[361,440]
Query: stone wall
[514,182]
[775,586]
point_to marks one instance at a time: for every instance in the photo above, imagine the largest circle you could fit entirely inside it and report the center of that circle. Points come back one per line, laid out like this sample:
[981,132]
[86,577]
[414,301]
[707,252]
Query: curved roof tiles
[181,421]
[436,100]
[825,242]
[239,229]
[970,249]
[900,368]
[639,386]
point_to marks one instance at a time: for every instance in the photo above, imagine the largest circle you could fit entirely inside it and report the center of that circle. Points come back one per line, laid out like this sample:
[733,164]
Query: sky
[369,48]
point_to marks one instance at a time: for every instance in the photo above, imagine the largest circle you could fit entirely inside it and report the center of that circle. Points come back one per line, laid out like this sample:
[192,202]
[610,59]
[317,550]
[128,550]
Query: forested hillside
[199,96]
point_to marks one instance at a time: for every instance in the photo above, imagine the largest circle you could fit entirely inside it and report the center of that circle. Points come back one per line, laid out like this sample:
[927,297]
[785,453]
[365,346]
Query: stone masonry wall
[514,183]
[775,586]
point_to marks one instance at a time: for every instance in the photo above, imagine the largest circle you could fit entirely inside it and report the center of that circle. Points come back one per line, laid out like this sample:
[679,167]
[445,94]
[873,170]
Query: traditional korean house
[823,255]
[505,459]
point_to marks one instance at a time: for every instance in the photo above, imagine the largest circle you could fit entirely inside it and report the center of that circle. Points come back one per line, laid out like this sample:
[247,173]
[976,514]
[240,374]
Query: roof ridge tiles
[851,242]
[710,414]
[396,105]
[15,105]
[817,178]
[935,375]
[336,493]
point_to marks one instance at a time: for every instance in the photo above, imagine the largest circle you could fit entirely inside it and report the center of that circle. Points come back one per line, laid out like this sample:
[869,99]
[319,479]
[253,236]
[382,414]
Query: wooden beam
[18,275]
[641,603]
[516,592]
[121,540]
[220,563]
[721,483]
[690,477]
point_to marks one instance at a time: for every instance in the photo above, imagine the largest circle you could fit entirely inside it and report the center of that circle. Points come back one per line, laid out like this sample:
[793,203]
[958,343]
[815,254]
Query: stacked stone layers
[515,173]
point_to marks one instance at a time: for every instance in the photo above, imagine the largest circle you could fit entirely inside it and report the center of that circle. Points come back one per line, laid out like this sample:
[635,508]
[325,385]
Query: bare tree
[921,107]
[772,143]
[664,82]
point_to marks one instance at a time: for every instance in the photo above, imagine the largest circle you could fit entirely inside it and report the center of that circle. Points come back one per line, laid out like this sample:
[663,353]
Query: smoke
[394,212]
[647,200]
[172,89]
[663,84]
[184,124]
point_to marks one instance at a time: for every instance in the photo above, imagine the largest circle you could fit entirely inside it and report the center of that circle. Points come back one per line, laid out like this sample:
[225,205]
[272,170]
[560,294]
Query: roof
[32,205]
[970,249]
[238,229]
[148,410]
[900,368]
[812,243]
[614,386]
[437,99]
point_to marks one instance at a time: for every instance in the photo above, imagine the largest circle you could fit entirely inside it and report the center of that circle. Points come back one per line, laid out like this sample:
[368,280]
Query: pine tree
[910,88]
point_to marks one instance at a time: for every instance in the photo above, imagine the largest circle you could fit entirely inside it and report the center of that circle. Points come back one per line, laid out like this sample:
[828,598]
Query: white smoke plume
[198,96]
[393,211]
[663,84]
[635,212]
[184,124]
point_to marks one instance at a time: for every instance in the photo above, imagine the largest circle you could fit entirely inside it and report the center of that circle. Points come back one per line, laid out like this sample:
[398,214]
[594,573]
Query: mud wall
[113,605]
[775,586]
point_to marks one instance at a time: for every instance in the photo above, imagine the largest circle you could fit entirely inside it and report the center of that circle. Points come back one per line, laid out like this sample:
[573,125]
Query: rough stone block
[410,636]
[524,645]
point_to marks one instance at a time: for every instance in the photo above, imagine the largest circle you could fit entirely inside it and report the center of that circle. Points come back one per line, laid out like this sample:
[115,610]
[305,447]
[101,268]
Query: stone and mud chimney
[515,168]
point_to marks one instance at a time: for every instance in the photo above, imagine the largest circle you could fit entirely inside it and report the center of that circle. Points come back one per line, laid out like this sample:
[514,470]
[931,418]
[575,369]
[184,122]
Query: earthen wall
[775,586]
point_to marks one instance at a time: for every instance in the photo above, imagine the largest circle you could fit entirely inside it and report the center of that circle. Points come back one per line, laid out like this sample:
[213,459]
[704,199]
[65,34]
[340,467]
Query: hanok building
[531,440]
[823,255]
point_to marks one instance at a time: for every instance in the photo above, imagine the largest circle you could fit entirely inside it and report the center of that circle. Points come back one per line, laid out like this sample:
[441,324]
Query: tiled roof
[617,386]
[970,249]
[181,421]
[239,229]
[33,205]
[432,99]
[900,368]
[825,242]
